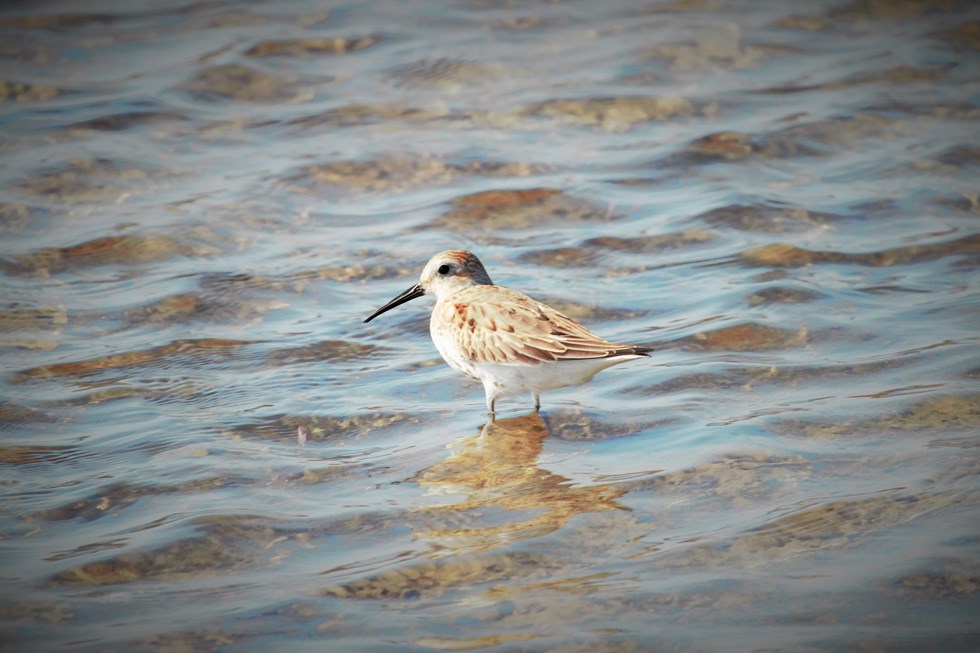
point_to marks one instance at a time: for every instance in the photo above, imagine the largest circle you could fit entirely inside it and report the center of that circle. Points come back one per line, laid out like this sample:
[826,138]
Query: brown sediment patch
[588,253]
[955,578]
[179,389]
[14,218]
[479,643]
[782,295]
[30,454]
[577,425]
[889,10]
[890,290]
[318,427]
[235,283]
[32,53]
[346,273]
[523,23]
[797,140]
[845,132]
[423,364]
[562,257]
[832,525]
[715,50]
[229,543]
[128,120]
[771,275]
[589,312]
[519,209]
[728,145]
[738,146]
[363,523]
[56,21]
[935,110]
[612,114]
[435,578]
[195,306]
[963,203]
[24,92]
[767,218]
[29,611]
[169,310]
[91,181]
[748,336]
[310,47]
[364,114]
[402,173]
[127,249]
[449,75]
[228,18]
[950,162]
[120,250]
[904,75]
[221,291]
[112,498]
[204,16]
[844,16]
[197,347]
[165,391]
[240,83]
[328,474]
[327,350]
[13,414]
[198,640]
[956,157]
[185,559]
[966,35]
[32,328]
[786,255]
[741,479]
[808,23]
[747,378]
[942,413]
[651,244]
[600,614]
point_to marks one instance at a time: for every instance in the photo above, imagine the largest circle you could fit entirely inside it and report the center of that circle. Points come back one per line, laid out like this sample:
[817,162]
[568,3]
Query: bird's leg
[492,392]
[537,401]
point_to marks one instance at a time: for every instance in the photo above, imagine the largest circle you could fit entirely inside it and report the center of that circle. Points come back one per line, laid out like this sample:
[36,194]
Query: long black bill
[407,296]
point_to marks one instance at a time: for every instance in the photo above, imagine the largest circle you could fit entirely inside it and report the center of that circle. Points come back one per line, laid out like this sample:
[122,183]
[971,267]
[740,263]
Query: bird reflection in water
[508,498]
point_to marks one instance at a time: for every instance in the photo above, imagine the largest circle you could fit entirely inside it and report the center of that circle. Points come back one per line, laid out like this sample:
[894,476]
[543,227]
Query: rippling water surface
[203,447]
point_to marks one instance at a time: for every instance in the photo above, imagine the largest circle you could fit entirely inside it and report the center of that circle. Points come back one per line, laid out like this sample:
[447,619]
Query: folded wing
[513,328]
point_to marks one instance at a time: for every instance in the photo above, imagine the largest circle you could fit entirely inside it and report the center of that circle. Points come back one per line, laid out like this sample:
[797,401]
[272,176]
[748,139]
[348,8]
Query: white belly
[510,379]
[516,379]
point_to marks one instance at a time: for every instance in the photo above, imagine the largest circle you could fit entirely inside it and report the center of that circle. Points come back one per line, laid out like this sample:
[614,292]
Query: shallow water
[205,449]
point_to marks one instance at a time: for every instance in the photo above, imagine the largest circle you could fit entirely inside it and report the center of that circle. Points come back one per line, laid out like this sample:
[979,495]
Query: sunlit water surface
[205,449]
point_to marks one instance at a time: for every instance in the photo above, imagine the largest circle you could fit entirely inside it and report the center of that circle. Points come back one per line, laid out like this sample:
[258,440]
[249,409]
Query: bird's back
[495,324]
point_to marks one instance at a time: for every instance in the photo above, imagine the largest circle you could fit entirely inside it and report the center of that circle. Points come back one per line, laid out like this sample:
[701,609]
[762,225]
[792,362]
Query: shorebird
[503,338]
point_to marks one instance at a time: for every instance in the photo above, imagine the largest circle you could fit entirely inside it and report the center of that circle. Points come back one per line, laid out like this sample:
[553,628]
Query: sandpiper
[503,338]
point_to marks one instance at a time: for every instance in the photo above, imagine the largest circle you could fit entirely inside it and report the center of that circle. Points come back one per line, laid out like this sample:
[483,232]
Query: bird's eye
[443,269]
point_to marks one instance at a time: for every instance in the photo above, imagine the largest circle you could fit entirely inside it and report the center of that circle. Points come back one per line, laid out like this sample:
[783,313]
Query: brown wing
[499,325]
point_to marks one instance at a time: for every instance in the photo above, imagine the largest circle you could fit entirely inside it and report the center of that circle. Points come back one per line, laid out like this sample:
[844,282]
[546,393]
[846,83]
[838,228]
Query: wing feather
[498,325]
